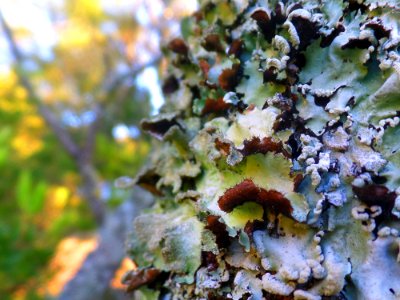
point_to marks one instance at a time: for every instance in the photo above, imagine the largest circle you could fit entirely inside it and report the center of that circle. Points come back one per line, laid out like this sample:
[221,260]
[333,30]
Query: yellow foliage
[32,122]
[13,97]
[20,93]
[28,138]
[25,145]
[8,80]
[81,53]
[79,34]
[90,10]
[60,196]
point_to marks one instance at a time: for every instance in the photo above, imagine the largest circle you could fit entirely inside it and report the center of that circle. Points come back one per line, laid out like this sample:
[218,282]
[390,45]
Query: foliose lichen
[278,171]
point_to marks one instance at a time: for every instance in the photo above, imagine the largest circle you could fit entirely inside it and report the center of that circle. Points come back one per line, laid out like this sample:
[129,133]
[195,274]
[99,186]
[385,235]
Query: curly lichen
[278,171]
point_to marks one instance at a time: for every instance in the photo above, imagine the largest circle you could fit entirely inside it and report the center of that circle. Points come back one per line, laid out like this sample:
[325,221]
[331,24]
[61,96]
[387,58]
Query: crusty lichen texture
[277,166]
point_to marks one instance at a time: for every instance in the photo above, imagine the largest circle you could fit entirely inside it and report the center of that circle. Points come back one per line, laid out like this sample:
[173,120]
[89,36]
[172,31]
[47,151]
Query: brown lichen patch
[306,29]
[236,48]
[279,13]
[229,78]
[215,106]
[137,278]
[178,46]
[375,194]
[298,179]
[267,144]
[219,230]
[204,67]
[212,42]
[209,260]
[148,181]
[253,146]
[247,191]
[223,147]
[270,75]
[357,43]
[170,85]
[265,23]
[380,31]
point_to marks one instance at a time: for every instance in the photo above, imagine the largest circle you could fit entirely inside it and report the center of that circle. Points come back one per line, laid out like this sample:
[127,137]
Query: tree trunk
[90,188]
[93,279]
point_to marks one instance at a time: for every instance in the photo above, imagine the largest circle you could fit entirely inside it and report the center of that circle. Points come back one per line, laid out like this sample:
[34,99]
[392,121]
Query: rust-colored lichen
[247,191]
[137,278]
[178,46]
[229,78]
[263,146]
[215,106]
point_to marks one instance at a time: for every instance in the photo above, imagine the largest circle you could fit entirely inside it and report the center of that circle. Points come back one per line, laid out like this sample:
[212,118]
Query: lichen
[277,170]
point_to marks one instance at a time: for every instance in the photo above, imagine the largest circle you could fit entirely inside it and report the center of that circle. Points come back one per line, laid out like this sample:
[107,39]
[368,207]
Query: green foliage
[30,196]
[40,199]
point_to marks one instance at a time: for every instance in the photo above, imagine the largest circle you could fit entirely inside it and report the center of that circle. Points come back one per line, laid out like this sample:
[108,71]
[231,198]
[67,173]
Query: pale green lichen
[279,169]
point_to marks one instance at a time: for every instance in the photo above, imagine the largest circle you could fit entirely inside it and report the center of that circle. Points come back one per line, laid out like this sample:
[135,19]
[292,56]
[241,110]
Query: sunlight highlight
[68,259]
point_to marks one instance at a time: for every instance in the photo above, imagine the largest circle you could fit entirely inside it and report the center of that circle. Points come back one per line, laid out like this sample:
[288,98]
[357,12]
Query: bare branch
[108,92]
[61,133]
[90,142]
[111,87]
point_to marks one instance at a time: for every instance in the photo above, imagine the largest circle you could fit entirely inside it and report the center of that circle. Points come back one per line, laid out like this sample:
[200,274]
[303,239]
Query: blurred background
[76,77]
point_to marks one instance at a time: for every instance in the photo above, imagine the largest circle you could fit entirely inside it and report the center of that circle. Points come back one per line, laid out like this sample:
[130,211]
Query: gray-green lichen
[277,174]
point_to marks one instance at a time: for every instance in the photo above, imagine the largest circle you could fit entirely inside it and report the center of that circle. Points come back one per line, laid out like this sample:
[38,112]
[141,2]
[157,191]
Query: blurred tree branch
[46,113]
[82,155]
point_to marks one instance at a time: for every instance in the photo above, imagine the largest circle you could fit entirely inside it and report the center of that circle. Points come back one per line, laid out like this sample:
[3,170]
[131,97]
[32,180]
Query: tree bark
[93,279]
